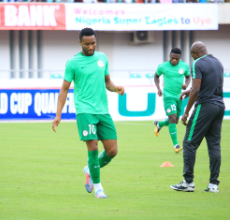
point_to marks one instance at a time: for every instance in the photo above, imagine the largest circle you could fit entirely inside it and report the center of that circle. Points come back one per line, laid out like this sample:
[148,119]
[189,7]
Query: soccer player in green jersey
[89,71]
[174,72]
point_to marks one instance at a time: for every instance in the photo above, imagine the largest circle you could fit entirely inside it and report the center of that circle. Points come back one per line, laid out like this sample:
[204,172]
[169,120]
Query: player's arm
[187,82]
[194,92]
[157,83]
[61,101]
[185,94]
[112,87]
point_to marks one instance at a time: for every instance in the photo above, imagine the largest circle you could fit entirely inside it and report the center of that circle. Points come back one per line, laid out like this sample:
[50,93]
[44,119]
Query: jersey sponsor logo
[85,133]
[100,63]
[168,110]
[181,71]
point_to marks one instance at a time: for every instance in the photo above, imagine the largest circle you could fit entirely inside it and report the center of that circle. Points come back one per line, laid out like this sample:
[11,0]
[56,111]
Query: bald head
[198,49]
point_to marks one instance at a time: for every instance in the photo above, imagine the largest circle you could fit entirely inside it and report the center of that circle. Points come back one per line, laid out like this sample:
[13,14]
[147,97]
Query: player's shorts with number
[96,127]
[172,106]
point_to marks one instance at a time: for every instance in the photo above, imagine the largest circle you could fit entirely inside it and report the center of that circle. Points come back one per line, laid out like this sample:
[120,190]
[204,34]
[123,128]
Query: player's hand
[120,90]
[184,86]
[184,119]
[160,92]
[184,94]
[55,123]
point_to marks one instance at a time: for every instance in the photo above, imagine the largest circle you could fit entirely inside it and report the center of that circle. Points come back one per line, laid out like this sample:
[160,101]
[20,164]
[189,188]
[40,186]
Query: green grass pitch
[41,176]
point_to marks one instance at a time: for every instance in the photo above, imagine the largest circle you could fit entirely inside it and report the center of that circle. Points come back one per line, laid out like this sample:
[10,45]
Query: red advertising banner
[32,16]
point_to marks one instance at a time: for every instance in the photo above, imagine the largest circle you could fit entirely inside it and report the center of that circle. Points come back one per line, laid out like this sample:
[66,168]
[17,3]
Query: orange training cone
[166,164]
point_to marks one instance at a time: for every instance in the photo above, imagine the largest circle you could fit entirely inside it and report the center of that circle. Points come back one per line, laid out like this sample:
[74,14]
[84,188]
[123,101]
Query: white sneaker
[100,194]
[183,186]
[88,180]
[213,189]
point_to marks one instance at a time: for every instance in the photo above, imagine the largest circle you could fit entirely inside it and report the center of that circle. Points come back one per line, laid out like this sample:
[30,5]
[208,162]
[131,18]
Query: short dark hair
[86,32]
[176,50]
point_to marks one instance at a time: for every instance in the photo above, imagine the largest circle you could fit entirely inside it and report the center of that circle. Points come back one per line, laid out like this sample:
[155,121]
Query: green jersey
[173,77]
[88,74]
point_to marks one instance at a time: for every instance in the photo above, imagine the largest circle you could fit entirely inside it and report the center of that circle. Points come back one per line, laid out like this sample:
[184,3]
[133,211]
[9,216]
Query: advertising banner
[123,17]
[32,16]
[108,17]
[33,104]
[138,103]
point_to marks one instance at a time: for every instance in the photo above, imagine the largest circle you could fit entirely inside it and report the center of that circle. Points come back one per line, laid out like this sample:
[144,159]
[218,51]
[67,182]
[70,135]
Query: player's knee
[113,152]
[173,120]
[92,145]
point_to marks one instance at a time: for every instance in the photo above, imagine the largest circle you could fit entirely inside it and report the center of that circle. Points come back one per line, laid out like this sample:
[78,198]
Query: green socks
[172,130]
[173,133]
[104,159]
[94,166]
[164,123]
[96,163]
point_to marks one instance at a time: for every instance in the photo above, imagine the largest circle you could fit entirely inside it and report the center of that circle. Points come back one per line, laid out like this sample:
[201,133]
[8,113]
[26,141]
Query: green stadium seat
[135,75]
[226,74]
[56,76]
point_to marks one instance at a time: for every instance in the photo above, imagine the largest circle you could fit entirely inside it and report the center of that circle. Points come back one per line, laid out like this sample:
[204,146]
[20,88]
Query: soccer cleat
[100,194]
[213,189]
[88,181]
[177,149]
[157,128]
[183,186]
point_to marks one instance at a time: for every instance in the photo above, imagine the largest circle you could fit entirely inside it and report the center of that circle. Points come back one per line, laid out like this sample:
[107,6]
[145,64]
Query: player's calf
[104,159]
